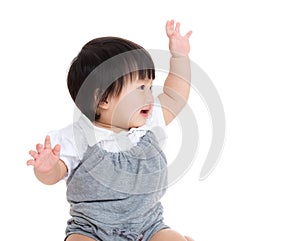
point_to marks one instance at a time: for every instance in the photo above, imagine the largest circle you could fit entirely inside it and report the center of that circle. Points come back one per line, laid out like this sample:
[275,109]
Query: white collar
[95,134]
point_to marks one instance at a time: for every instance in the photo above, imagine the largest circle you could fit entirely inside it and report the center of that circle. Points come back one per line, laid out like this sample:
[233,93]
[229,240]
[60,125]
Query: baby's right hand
[44,158]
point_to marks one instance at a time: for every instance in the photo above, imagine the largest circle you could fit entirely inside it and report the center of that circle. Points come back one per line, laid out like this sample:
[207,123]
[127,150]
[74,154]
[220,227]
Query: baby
[111,157]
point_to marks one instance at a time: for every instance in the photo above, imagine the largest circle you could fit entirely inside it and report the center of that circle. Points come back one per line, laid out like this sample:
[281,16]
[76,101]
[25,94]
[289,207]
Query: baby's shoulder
[68,135]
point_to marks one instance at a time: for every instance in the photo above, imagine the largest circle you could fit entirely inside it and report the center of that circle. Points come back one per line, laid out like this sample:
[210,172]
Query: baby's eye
[142,87]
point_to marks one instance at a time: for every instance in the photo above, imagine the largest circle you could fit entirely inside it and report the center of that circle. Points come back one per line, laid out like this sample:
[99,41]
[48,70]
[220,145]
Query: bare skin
[163,235]
[169,235]
[177,85]
[79,237]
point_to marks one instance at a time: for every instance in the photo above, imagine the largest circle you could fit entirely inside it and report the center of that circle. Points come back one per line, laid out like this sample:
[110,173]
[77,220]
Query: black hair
[103,66]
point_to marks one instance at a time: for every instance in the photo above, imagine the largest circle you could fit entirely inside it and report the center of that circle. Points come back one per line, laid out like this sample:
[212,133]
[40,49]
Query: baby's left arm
[177,85]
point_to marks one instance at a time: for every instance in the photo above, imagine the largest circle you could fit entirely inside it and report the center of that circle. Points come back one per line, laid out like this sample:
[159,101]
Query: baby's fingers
[188,34]
[177,27]
[34,154]
[170,28]
[30,162]
[47,143]
[39,148]
[56,150]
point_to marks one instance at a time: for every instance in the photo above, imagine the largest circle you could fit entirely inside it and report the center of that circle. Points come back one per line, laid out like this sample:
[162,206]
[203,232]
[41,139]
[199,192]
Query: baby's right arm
[48,168]
[177,85]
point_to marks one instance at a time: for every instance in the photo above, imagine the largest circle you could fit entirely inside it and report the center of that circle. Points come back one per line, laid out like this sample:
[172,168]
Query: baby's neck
[112,128]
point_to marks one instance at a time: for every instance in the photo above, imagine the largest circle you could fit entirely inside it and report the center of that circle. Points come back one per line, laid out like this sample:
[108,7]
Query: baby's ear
[103,105]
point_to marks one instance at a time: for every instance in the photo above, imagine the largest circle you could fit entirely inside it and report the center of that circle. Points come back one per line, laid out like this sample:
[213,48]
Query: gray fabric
[115,196]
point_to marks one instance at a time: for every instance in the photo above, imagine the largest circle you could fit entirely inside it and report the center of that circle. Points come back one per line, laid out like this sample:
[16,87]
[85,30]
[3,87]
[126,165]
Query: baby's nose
[149,97]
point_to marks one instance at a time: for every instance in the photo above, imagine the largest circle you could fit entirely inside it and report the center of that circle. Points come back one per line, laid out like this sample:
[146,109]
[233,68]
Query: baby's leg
[79,237]
[169,235]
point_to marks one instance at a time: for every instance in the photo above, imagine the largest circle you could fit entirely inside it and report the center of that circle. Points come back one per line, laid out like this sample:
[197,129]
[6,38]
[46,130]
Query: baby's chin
[139,119]
[137,125]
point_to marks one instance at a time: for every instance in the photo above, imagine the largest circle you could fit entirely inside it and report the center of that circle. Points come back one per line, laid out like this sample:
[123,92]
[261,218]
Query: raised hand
[178,44]
[44,158]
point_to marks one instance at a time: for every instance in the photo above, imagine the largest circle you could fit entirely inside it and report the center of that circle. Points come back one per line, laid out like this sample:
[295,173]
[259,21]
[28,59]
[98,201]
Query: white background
[251,51]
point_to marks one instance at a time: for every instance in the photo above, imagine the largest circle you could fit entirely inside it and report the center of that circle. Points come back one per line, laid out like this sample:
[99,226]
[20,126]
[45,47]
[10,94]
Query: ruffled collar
[124,140]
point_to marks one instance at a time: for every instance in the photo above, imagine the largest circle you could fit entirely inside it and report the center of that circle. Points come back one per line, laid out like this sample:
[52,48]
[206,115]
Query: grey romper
[115,196]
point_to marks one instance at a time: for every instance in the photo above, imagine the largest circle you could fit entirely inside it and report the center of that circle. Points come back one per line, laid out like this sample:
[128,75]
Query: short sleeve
[157,123]
[68,152]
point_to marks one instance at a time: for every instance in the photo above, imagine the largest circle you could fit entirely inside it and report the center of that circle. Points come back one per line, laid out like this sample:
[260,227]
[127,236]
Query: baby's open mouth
[146,111]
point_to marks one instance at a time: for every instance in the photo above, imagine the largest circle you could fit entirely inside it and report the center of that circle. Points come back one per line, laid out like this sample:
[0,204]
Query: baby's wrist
[180,58]
[179,55]
[180,66]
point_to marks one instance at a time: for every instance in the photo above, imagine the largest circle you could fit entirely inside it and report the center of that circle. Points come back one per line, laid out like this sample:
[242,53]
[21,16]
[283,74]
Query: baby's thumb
[56,150]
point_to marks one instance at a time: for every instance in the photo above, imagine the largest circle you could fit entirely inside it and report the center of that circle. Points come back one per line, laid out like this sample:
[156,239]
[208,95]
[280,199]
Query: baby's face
[132,107]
